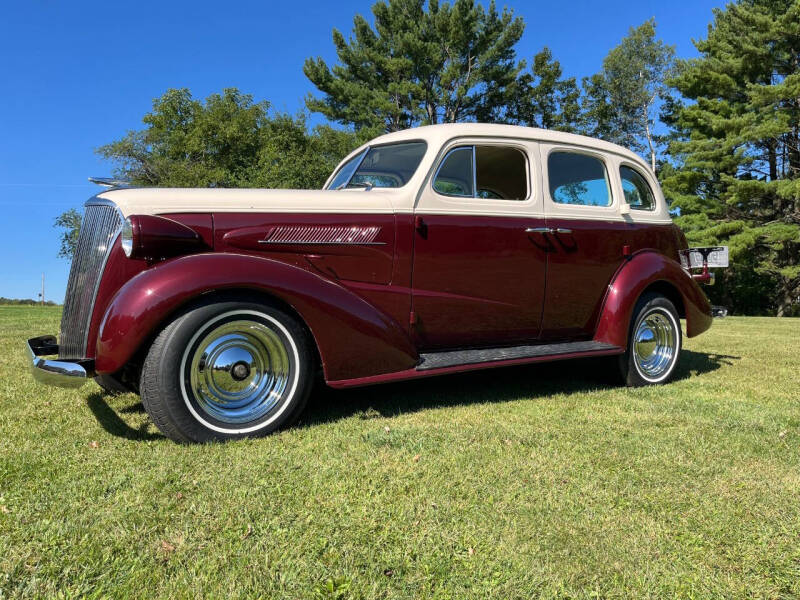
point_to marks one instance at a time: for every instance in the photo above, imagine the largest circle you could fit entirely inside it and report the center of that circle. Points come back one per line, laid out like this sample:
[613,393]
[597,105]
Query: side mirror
[624,208]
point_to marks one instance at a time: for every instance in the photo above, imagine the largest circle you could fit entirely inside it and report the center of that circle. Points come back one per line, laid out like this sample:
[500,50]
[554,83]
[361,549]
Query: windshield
[389,166]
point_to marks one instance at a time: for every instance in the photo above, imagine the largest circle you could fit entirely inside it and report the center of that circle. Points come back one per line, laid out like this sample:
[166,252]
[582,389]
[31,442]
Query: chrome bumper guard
[61,373]
[704,258]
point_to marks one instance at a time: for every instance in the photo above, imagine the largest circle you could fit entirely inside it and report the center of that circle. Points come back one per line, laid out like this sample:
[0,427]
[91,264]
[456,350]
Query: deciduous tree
[621,101]
[228,140]
[70,224]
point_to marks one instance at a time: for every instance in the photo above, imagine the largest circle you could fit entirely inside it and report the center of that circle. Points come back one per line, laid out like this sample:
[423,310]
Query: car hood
[155,201]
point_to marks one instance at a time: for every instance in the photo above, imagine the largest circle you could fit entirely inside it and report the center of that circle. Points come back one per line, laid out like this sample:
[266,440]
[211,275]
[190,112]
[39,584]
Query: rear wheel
[227,370]
[654,342]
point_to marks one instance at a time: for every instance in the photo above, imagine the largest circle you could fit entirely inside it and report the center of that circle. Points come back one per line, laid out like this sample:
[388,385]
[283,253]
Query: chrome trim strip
[323,234]
[54,372]
[98,201]
[110,182]
[97,286]
[307,243]
[474,173]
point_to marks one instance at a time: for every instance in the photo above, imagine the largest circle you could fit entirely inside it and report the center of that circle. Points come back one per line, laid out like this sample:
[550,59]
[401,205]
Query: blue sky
[77,75]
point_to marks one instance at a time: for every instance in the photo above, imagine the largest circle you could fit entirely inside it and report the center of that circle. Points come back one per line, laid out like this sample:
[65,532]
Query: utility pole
[42,289]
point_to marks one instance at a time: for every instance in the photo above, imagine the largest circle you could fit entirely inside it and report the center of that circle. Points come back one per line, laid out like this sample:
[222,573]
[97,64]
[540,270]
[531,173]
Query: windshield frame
[365,151]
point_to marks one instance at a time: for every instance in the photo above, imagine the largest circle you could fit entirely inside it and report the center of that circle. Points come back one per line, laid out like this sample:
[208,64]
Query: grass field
[512,483]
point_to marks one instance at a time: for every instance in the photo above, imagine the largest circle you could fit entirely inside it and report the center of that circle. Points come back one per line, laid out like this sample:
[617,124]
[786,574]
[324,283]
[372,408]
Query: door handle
[420,226]
[550,230]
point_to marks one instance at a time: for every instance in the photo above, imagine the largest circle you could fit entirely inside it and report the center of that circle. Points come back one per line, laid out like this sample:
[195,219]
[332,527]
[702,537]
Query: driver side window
[484,172]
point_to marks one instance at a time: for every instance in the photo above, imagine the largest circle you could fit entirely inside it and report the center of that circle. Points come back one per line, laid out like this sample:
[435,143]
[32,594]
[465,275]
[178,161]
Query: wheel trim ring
[655,345]
[215,388]
[293,384]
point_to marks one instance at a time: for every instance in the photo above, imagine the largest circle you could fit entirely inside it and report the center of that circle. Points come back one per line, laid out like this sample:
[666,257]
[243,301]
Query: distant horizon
[86,83]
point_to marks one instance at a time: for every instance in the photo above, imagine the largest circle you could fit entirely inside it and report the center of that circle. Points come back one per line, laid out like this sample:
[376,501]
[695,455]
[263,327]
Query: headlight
[150,237]
[127,237]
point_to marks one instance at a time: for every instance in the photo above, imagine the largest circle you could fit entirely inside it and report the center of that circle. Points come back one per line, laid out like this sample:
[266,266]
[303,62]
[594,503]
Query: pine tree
[544,99]
[737,148]
[420,65]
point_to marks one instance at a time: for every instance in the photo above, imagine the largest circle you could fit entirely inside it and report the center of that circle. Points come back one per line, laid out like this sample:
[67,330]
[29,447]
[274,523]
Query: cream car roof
[378,200]
[437,135]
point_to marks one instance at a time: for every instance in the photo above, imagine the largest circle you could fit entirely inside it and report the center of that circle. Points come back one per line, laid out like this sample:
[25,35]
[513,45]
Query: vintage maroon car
[430,251]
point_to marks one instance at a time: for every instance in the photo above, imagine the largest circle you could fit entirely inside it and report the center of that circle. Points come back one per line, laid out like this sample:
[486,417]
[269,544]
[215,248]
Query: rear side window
[486,172]
[636,189]
[578,179]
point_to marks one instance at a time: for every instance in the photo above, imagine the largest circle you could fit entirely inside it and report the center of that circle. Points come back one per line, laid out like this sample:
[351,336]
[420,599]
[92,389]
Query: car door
[479,265]
[588,236]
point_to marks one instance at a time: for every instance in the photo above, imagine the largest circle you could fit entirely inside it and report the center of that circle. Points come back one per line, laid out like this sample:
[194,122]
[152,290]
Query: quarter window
[486,172]
[578,179]
[636,189]
[455,177]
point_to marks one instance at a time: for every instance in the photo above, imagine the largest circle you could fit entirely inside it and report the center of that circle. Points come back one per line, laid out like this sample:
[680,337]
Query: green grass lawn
[522,483]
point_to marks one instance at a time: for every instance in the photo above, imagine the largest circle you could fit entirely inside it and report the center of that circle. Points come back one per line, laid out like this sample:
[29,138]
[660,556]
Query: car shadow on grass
[489,385]
[114,424]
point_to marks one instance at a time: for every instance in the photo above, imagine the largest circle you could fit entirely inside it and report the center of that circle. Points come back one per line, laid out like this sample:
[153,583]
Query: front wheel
[654,342]
[227,370]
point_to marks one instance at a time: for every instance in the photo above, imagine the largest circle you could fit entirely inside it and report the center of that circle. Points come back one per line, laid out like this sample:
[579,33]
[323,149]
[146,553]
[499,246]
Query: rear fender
[643,270]
[354,338]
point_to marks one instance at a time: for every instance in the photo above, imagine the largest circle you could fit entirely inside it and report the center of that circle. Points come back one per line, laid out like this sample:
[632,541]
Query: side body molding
[354,338]
[646,268]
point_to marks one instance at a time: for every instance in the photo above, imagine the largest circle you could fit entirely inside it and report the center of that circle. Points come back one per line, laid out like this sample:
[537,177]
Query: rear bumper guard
[61,373]
[704,258]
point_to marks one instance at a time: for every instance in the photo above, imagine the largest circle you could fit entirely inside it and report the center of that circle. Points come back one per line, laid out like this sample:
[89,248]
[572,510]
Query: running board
[454,358]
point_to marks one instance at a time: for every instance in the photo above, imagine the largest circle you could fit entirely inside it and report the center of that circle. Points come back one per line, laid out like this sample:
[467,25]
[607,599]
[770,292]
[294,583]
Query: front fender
[632,279]
[354,338]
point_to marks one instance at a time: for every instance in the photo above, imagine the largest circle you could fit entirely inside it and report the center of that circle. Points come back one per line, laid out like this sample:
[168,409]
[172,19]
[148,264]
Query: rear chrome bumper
[61,373]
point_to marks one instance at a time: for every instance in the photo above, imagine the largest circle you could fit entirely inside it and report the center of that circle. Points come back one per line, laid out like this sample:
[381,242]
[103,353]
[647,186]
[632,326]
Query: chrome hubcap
[654,345]
[239,371]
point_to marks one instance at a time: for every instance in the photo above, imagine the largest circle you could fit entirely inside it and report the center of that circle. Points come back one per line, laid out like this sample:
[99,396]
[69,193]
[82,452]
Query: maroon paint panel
[201,223]
[641,271]
[362,262]
[581,265]
[354,337]
[414,374]
[477,280]
[120,269]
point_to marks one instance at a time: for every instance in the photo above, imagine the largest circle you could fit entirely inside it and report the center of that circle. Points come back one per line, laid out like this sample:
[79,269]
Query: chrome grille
[99,229]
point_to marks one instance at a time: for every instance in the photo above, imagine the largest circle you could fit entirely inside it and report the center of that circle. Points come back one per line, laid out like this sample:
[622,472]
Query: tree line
[722,131]
[25,302]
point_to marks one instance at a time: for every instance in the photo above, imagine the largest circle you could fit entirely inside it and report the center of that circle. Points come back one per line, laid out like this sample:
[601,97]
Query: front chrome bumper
[61,373]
